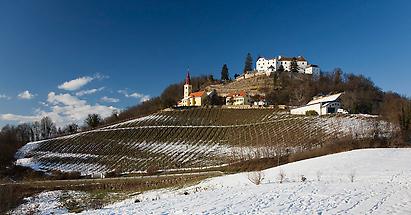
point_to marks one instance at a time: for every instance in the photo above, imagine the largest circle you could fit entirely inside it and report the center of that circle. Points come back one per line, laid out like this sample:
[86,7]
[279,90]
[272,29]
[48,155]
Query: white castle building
[271,65]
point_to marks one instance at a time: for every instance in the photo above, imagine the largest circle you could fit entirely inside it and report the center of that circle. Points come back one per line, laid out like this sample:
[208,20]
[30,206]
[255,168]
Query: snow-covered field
[381,185]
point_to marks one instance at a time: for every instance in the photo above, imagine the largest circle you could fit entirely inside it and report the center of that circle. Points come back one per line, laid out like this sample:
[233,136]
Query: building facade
[270,65]
[191,98]
[322,105]
[241,98]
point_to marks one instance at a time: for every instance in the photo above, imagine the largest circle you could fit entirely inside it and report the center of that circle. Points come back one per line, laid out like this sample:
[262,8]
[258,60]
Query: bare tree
[255,177]
[319,174]
[281,176]
[71,128]
[351,175]
[24,132]
[36,131]
[47,127]
[93,120]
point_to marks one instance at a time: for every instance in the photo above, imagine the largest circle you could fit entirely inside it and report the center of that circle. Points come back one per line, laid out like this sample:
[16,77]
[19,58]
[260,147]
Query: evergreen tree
[248,65]
[280,69]
[224,73]
[294,65]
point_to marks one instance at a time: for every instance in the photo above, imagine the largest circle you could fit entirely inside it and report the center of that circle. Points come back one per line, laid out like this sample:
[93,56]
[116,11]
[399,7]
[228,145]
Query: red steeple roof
[188,78]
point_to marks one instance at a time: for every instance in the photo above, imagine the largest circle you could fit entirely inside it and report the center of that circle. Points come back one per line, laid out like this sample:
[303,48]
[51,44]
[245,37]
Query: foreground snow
[381,185]
[48,202]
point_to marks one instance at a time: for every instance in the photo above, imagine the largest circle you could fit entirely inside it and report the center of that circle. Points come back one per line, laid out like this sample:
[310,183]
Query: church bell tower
[187,86]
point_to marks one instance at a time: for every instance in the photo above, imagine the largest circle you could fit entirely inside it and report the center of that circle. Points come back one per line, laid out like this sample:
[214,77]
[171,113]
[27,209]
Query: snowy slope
[382,185]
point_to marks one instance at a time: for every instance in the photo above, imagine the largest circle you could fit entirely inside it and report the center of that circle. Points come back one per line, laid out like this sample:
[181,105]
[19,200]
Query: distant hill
[194,138]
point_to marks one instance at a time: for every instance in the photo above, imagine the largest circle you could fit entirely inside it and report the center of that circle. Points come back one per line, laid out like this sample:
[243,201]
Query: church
[191,98]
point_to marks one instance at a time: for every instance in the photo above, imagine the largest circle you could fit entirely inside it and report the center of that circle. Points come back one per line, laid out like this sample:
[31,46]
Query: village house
[259,101]
[241,98]
[192,98]
[322,105]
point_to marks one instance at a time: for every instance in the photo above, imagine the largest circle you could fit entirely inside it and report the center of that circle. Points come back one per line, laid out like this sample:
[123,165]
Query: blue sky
[122,52]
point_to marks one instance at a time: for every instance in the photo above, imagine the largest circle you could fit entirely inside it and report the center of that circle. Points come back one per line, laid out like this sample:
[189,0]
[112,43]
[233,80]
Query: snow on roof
[329,98]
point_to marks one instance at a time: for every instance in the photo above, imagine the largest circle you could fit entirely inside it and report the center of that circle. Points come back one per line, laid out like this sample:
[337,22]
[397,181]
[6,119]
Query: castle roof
[299,58]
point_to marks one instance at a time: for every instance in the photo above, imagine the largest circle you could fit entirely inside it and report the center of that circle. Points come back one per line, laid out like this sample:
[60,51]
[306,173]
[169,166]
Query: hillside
[253,85]
[380,185]
[194,138]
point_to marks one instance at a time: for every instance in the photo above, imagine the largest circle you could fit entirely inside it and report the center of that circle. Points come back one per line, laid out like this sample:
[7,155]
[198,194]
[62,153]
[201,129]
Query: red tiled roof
[197,94]
[240,94]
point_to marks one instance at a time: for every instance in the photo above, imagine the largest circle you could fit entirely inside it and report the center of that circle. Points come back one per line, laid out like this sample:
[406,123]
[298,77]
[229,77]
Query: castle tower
[187,86]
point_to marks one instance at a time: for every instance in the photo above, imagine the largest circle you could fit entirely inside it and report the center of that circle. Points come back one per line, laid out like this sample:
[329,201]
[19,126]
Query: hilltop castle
[271,65]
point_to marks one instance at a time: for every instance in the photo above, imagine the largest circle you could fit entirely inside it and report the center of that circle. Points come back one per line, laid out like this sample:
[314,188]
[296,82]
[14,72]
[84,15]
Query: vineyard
[195,138]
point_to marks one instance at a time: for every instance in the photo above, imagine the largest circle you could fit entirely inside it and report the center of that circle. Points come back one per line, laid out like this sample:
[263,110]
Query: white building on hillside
[312,69]
[270,65]
[241,98]
[322,105]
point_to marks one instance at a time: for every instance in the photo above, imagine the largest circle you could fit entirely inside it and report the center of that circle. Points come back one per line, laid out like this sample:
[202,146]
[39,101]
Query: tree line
[360,94]
[13,137]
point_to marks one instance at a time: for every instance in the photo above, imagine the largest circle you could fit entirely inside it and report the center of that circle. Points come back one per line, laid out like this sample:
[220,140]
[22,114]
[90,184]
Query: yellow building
[191,98]
[241,98]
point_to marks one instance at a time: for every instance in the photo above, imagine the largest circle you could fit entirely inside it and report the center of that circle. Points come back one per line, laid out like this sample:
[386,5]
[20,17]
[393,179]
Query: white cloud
[136,95]
[64,109]
[76,83]
[88,92]
[64,99]
[80,82]
[18,118]
[3,96]
[108,99]
[25,95]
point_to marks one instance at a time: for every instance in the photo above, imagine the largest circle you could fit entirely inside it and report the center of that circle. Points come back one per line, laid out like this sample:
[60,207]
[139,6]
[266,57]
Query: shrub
[311,113]
[256,177]
[351,175]
[281,176]
[152,169]
[303,178]
[319,174]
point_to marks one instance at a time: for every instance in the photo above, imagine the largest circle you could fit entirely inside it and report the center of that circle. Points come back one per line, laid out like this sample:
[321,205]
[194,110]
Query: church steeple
[188,78]
[187,86]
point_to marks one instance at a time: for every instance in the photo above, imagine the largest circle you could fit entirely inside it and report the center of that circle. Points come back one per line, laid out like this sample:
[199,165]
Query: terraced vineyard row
[195,138]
